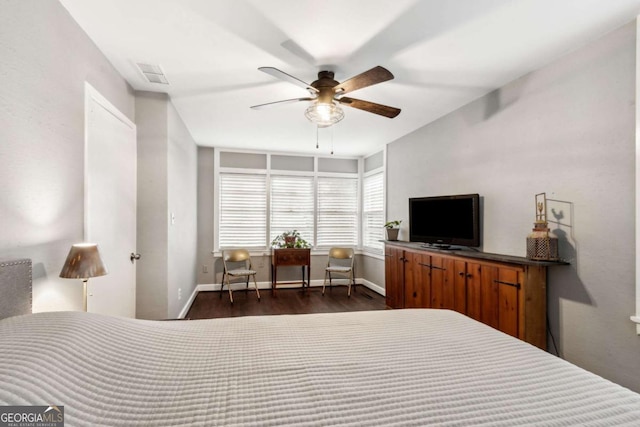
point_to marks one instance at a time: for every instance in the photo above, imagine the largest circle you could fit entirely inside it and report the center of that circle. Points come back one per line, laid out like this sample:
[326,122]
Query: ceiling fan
[326,93]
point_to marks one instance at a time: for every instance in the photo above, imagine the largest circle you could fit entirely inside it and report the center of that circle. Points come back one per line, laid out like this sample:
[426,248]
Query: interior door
[110,204]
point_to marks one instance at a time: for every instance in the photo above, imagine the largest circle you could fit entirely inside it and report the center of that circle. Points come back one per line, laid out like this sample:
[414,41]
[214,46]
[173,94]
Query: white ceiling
[443,53]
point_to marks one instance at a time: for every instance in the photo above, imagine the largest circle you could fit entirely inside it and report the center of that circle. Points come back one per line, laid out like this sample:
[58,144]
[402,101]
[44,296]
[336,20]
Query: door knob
[134,257]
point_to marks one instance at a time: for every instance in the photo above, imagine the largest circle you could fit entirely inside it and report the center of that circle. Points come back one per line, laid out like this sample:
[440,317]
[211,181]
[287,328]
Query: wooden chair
[236,256]
[334,266]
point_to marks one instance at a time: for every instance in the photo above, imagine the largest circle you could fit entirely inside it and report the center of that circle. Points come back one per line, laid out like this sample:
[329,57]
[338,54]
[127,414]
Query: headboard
[15,287]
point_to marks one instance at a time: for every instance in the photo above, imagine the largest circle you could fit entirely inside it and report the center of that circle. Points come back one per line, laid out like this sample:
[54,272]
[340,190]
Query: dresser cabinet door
[458,277]
[416,279]
[509,287]
[474,290]
[441,279]
[394,276]
[492,296]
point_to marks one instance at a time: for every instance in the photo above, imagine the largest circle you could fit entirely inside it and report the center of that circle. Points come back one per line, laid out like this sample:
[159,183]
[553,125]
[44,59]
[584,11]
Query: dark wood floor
[286,301]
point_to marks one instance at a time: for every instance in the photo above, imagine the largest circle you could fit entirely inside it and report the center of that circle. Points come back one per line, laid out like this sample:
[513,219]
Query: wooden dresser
[506,292]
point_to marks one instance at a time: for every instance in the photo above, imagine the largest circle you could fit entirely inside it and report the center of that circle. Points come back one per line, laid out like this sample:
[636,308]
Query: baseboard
[374,287]
[267,285]
[187,304]
[261,285]
[207,287]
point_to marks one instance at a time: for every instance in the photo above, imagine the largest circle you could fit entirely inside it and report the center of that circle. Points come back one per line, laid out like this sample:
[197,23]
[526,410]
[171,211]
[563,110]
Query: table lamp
[83,262]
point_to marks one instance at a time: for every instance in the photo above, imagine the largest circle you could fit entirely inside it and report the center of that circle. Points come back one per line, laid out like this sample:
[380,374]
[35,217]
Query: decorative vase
[392,233]
[290,241]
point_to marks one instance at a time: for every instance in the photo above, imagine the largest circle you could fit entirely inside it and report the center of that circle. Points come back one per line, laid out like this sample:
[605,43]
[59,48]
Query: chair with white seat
[340,262]
[230,260]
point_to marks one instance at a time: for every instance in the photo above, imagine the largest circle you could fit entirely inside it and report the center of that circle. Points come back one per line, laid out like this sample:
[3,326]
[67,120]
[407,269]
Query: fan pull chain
[332,140]
[330,136]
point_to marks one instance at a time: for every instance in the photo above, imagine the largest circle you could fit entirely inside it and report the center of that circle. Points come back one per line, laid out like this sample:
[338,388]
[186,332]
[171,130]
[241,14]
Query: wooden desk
[290,257]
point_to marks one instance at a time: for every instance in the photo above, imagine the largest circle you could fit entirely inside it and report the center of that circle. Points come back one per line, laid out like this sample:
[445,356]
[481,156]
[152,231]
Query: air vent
[153,73]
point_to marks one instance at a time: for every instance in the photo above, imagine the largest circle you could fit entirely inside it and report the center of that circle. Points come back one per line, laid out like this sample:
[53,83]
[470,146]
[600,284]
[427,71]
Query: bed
[392,367]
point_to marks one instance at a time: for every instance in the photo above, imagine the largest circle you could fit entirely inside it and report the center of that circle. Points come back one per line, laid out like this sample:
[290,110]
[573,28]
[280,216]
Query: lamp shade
[84,261]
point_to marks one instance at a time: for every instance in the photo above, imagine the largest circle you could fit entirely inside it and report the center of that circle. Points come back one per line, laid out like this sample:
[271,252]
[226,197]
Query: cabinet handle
[469,275]
[432,266]
[461,273]
[515,285]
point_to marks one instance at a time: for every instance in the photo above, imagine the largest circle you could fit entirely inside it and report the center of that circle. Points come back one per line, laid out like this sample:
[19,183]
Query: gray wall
[206,186]
[153,238]
[567,130]
[371,269]
[167,187]
[45,58]
[182,201]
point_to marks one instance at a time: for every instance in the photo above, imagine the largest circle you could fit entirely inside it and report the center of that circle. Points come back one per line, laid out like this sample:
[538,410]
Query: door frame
[93,96]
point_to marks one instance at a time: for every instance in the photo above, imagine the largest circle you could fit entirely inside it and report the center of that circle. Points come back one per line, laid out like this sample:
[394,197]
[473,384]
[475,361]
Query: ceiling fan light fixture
[324,114]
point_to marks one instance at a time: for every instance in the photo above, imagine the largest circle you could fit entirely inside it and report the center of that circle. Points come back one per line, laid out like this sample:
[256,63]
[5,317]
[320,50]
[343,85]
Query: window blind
[292,205]
[373,213]
[243,211]
[337,212]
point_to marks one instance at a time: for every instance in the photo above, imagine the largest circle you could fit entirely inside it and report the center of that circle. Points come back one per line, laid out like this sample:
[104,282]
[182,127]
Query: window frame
[374,251]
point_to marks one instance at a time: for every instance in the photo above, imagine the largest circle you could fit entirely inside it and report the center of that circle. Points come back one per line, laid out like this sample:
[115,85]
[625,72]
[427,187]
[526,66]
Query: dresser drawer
[291,257]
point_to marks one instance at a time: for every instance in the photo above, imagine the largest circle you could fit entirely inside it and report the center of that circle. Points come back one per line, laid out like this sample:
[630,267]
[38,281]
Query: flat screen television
[445,220]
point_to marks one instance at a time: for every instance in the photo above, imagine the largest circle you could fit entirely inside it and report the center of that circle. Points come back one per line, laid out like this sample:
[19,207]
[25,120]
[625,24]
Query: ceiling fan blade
[373,76]
[276,103]
[371,107]
[288,78]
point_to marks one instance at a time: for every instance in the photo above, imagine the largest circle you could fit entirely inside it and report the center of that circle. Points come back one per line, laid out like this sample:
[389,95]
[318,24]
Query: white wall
[567,130]
[45,59]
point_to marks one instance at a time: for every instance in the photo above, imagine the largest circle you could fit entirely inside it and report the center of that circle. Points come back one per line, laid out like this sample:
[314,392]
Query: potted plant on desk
[392,228]
[290,239]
